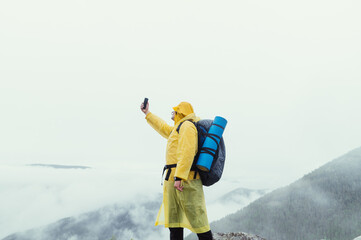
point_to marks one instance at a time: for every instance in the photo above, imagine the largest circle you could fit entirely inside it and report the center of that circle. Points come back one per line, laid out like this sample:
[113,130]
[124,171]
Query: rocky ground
[236,236]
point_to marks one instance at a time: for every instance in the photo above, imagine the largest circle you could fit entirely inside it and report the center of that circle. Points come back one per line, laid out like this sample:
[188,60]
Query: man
[183,203]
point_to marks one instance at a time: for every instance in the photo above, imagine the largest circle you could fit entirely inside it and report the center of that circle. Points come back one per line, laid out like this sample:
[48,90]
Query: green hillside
[325,204]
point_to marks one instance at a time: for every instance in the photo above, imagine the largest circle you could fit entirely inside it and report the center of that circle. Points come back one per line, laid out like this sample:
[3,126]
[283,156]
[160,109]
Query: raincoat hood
[183,110]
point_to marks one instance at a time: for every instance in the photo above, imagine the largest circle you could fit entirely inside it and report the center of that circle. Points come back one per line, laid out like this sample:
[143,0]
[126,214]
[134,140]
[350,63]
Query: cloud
[35,196]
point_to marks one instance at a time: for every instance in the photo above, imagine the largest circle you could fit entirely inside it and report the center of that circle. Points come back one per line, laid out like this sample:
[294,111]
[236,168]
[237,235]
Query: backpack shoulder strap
[182,123]
[193,168]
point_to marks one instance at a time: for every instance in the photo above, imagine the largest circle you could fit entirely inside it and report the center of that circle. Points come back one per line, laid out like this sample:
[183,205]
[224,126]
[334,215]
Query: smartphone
[145,103]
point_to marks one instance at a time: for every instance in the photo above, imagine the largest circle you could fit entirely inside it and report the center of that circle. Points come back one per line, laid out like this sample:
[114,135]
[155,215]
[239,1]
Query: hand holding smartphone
[145,103]
[144,106]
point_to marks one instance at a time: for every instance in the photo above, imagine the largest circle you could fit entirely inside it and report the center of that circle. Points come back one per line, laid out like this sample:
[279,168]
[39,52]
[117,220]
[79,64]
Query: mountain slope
[323,204]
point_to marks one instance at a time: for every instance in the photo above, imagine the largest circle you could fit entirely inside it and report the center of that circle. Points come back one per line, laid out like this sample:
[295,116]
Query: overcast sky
[285,74]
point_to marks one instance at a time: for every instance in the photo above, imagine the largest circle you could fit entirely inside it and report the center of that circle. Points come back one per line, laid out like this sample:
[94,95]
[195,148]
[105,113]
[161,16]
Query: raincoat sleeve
[159,125]
[187,149]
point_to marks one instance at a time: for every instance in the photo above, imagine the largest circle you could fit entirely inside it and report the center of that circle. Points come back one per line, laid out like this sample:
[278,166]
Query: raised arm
[156,122]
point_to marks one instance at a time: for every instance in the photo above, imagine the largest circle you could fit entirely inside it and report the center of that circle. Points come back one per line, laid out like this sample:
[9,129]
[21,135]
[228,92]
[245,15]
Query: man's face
[173,114]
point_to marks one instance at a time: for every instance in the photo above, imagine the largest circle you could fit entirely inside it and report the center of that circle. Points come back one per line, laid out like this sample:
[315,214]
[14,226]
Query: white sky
[285,74]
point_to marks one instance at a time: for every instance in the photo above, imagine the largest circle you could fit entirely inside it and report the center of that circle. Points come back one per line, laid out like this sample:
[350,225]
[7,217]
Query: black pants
[177,234]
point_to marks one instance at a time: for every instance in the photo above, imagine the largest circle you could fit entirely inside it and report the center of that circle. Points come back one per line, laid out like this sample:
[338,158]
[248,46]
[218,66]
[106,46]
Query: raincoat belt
[169,167]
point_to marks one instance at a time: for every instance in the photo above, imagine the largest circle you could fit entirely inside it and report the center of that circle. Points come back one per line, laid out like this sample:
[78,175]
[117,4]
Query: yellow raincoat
[186,209]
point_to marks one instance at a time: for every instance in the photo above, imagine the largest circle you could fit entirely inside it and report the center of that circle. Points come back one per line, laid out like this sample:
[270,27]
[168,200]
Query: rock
[236,236]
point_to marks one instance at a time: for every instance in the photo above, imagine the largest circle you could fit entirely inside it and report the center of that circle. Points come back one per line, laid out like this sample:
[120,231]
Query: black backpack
[215,173]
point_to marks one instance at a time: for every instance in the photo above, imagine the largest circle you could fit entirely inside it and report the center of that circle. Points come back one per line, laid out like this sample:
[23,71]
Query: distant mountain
[133,220]
[241,195]
[232,202]
[58,166]
[324,204]
[124,222]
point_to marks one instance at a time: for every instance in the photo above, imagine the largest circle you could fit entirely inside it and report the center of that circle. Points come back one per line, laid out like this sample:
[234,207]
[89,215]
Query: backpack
[215,173]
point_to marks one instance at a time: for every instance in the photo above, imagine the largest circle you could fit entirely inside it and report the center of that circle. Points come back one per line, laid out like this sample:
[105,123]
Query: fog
[35,196]
[285,75]
[73,74]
